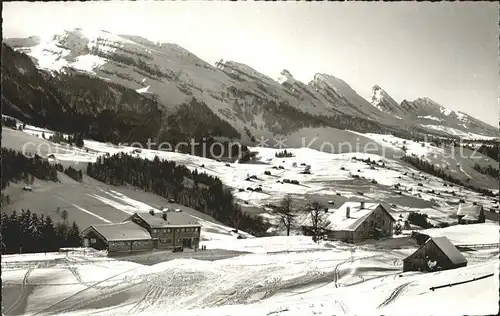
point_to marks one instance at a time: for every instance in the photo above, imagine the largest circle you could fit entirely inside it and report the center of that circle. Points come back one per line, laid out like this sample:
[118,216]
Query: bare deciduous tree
[286,214]
[317,213]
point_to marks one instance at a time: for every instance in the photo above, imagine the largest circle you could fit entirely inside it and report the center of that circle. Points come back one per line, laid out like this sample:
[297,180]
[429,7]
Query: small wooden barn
[470,214]
[435,254]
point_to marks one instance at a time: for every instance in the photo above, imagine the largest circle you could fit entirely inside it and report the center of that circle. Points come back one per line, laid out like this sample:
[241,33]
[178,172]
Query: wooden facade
[138,233]
[171,236]
[378,224]
[99,242]
[432,251]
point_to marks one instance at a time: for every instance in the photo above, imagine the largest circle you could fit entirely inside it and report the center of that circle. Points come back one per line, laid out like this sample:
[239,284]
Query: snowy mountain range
[430,114]
[251,102]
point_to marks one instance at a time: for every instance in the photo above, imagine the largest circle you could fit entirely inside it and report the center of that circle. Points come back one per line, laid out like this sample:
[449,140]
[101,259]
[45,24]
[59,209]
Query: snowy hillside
[330,280]
[337,176]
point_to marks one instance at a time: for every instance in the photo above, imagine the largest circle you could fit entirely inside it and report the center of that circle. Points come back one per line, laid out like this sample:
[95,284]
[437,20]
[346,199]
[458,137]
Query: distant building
[435,254]
[188,183]
[357,221]
[145,231]
[470,214]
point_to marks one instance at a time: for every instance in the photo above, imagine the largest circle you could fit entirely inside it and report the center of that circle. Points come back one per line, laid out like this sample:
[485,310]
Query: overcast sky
[446,51]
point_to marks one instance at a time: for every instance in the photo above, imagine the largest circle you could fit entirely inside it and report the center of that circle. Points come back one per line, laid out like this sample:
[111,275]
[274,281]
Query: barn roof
[173,219]
[471,211]
[122,231]
[449,250]
[339,221]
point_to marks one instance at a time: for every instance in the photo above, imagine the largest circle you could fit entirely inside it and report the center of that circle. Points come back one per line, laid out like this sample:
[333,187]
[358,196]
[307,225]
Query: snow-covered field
[486,233]
[332,279]
[331,176]
[279,275]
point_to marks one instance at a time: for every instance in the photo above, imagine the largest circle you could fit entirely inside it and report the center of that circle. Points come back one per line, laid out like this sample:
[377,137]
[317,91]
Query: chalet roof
[122,231]
[472,211]
[339,221]
[449,249]
[173,219]
[469,217]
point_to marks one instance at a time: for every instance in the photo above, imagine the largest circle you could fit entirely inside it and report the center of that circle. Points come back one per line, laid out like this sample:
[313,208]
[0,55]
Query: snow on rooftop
[122,231]
[449,249]
[472,211]
[338,217]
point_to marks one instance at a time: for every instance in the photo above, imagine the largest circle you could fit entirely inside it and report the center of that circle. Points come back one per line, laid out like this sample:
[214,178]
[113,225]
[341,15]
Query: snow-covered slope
[385,103]
[331,280]
[254,104]
[434,116]
[333,174]
[235,92]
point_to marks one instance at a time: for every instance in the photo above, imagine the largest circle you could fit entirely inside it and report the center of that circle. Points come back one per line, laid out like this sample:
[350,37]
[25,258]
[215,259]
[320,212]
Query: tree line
[9,122]
[489,151]
[488,170]
[75,139]
[430,168]
[166,179]
[76,175]
[16,166]
[283,154]
[27,232]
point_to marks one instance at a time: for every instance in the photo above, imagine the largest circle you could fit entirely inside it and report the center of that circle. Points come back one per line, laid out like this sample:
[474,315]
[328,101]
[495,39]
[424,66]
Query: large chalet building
[354,222]
[145,231]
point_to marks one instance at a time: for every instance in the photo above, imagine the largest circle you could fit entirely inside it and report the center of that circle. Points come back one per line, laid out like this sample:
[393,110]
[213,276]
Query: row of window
[139,243]
[369,233]
[165,240]
[184,230]
[371,224]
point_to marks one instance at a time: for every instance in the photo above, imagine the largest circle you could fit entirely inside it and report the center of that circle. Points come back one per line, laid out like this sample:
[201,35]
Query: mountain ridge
[233,91]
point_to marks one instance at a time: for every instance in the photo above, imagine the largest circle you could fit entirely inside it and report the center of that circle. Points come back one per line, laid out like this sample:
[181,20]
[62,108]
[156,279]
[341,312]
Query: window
[93,240]
[169,230]
[155,230]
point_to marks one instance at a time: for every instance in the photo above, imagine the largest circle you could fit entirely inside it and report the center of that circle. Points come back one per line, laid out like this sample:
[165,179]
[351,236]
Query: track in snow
[23,295]
[395,294]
